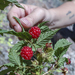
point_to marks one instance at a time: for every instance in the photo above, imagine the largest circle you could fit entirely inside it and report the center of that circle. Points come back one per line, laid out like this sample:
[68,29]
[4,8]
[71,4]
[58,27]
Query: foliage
[4,3]
[46,55]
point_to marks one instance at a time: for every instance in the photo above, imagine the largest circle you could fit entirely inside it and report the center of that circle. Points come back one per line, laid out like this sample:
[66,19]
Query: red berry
[26,53]
[64,70]
[69,61]
[35,32]
[48,45]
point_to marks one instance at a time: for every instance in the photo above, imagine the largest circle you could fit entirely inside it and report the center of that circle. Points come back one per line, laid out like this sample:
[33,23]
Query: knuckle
[41,10]
[31,20]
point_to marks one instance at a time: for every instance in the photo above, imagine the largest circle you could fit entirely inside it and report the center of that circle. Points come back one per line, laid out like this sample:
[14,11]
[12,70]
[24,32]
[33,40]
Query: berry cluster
[35,32]
[26,53]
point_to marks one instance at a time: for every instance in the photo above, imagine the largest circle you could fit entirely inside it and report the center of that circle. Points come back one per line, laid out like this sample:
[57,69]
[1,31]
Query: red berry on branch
[35,32]
[26,53]
[64,70]
[69,61]
[48,45]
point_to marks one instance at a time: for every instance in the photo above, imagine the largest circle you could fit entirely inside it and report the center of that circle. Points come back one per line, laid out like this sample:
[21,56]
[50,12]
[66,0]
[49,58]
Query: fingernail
[17,29]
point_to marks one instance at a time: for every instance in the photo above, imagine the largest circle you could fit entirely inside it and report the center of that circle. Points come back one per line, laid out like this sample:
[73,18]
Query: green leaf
[18,20]
[4,3]
[61,43]
[49,54]
[9,65]
[24,65]
[58,70]
[42,24]
[45,37]
[51,74]
[66,59]
[61,51]
[35,46]
[23,35]
[3,72]
[20,72]
[12,73]
[61,47]
[16,3]
[1,33]
[61,61]
[14,57]
[19,45]
[44,29]
[28,73]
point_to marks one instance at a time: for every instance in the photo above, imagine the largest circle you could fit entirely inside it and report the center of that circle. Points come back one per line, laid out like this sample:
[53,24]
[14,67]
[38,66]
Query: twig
[51,67]
[48,70]
[64,73]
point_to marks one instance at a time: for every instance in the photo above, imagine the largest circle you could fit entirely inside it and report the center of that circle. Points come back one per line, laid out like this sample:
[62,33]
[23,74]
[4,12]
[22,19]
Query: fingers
[29,17]
[19,13]
[15,11]
[36,16]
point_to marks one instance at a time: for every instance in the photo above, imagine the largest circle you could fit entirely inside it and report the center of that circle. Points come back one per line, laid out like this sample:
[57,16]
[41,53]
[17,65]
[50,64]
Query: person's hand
[29,17]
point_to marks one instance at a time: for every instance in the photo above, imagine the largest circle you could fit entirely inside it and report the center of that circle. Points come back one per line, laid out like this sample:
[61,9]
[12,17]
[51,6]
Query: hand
[29,17]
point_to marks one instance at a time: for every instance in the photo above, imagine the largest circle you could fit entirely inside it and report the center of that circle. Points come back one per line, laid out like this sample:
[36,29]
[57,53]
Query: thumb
[33,18]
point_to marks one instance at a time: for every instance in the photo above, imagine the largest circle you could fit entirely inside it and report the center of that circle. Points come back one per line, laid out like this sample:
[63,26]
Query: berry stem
[64,73]
[51,67]
[31,44]
[51,70]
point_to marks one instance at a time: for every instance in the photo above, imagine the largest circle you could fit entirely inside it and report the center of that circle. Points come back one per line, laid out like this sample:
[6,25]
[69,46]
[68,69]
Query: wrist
[50,15]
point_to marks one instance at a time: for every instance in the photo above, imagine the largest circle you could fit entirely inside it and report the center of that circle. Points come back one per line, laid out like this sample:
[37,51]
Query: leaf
[42,24]
[3,72]
[28,73]
[61,43]
[19,45]
[49,54]
[14,57]
[16,3]
[61,47]
[51,74]
[12,73]
[9,65]
[35,46]
[1,33]
[23,35]
[61,51]
[61,61]
[18,20]
[58,70]
[66,59]
[4,3]
[45,37]
[24,65]
[44,29]
[20,72]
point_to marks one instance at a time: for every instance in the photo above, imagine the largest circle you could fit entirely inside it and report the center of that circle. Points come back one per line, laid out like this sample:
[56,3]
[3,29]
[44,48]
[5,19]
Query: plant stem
[31,43]
[50,70]
[64,73]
